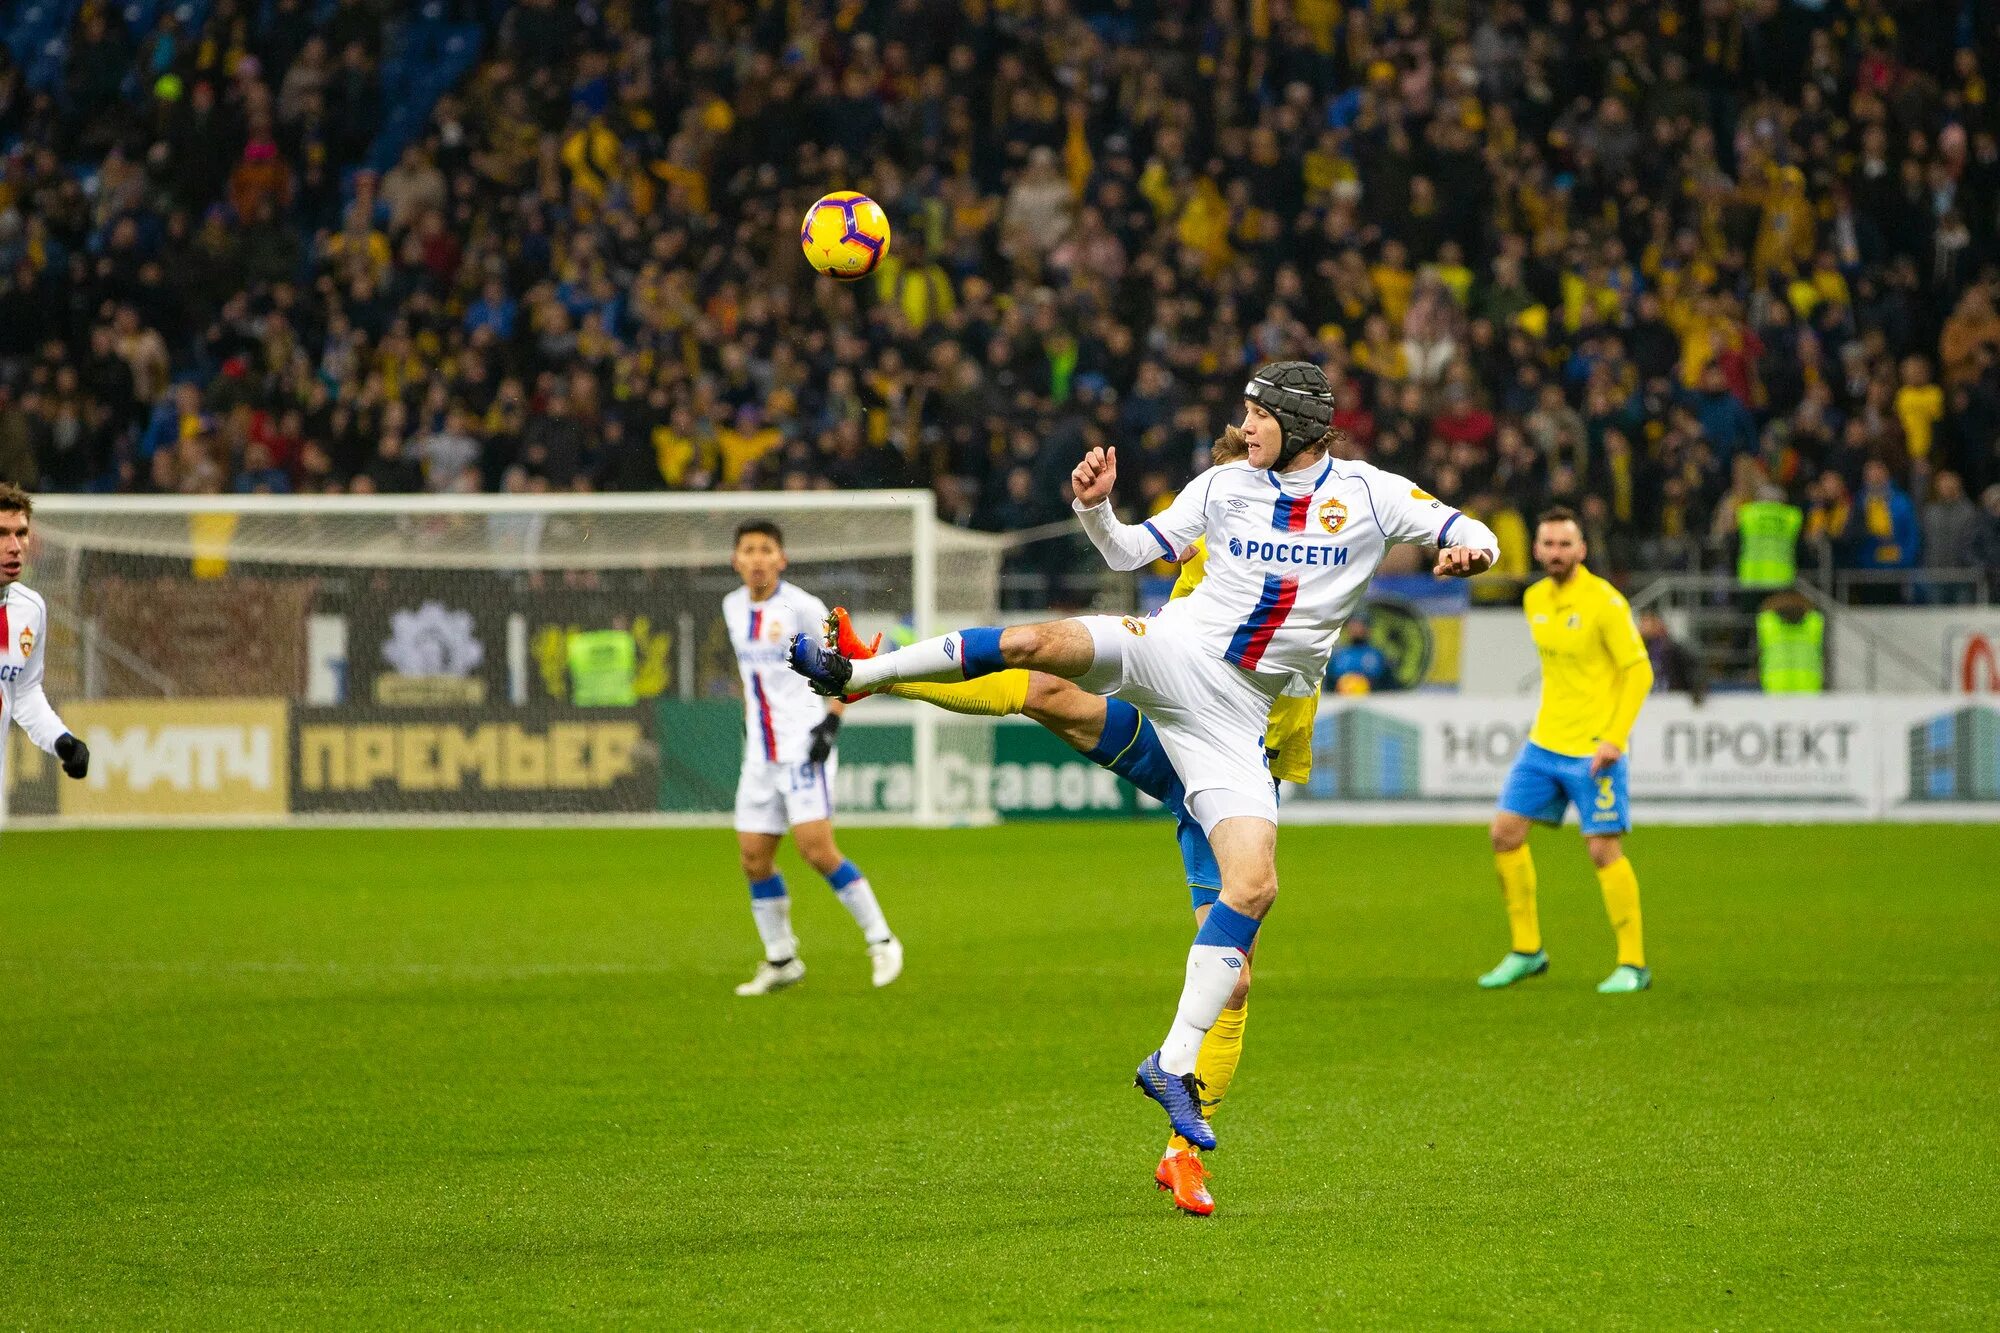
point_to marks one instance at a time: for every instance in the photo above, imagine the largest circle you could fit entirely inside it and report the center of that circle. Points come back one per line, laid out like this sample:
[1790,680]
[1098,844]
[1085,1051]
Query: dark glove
[75,755]
[822,738]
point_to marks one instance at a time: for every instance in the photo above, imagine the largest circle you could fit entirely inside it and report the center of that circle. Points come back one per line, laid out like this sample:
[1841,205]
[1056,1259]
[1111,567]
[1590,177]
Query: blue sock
[851,887]
[1226,928]
[980,652]
[771,909]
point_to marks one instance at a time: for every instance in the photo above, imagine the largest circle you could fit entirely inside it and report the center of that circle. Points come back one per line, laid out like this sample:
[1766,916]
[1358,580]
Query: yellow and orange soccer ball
[846,235]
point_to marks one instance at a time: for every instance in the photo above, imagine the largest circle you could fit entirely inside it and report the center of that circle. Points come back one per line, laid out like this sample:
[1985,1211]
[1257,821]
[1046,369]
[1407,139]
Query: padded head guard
[1298,395]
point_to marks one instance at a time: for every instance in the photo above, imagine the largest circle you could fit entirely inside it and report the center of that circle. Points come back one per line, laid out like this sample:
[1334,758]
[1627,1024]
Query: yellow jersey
[1595,672]
[1288,738]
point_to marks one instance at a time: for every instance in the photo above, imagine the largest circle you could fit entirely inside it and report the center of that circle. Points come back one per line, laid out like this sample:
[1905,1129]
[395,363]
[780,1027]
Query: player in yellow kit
[1595,675]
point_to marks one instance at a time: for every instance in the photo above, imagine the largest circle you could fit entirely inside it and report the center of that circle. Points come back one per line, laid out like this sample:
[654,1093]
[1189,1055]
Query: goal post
[275,657]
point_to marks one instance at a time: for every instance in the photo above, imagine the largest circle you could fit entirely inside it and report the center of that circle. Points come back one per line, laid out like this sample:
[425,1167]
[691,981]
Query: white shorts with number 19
[1210,716]
[773,796]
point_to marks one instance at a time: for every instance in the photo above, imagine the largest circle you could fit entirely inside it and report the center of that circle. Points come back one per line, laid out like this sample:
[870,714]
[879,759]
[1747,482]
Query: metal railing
[1856,650]
[1912,587]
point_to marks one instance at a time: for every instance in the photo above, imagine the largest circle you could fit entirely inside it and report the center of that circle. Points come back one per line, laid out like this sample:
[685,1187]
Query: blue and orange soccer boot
[1180,1096]
[841,637]
[824,669]
[1182,1173]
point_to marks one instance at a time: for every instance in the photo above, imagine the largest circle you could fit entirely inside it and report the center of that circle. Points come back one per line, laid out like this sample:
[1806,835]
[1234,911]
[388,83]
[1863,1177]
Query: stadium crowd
[1648,260]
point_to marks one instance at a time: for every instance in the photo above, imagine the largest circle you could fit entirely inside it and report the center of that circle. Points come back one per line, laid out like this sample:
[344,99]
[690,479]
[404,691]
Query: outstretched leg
[1059,647]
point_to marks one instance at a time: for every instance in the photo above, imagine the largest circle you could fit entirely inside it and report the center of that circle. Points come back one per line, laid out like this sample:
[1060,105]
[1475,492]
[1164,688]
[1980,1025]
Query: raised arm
[1466,547]
[1411,514]
[1129,546]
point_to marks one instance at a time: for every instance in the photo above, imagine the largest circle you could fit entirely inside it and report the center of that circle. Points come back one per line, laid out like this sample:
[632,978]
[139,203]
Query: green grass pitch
[361,1079]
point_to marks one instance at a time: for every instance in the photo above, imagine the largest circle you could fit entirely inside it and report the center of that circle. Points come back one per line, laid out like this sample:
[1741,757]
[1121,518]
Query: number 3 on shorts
[1607,799]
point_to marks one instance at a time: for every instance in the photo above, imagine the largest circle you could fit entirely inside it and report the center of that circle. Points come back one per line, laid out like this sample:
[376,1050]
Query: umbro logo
[1232,962]
[1239,504]
[951,649]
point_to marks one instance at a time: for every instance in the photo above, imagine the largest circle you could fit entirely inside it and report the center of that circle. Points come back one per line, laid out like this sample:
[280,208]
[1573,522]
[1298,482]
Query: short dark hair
[14,500]
[1558,514]
[760,527]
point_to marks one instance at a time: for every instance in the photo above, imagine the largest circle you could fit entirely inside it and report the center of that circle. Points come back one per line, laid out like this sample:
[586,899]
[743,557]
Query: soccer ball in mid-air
[845,235]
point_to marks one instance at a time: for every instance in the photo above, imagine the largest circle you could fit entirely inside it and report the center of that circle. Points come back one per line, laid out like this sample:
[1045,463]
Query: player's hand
[821,748]
[1094,476]
[75,755]
[1607,755]
[1462,562]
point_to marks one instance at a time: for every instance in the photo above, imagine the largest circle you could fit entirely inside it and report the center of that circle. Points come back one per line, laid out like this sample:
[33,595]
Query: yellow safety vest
[1791,659]
[1768,557]
[603,668]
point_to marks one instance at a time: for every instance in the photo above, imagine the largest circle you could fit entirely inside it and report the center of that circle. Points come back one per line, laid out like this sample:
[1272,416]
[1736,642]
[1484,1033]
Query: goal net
[408,658]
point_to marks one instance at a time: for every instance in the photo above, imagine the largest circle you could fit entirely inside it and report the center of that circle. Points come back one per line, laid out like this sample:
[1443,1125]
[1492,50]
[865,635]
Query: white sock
[859,900]
[1212,973]
[774,927]
[939,660]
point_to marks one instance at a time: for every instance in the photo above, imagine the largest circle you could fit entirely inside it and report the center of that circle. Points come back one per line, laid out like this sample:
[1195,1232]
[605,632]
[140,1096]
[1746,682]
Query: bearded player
[1292,540]
[1595,677]
[24,631]
[1112,734]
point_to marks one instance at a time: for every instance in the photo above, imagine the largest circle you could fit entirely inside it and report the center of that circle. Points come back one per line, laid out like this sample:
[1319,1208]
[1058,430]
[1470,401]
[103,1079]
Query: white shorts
[772,797]
[1211,717]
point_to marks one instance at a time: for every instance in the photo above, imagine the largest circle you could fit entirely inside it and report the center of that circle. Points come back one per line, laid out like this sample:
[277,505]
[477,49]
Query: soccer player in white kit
[788,765]
[1293,538]
[24,632]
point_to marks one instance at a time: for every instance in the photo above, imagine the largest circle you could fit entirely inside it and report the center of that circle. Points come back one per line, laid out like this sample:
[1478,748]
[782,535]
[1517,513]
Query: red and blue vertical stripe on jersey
[1253,636]
[1289,513]
[764,717]
[757,688]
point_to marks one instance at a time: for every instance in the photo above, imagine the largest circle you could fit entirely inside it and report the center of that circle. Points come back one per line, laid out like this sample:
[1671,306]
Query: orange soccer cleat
[1182,1172]
[841,637]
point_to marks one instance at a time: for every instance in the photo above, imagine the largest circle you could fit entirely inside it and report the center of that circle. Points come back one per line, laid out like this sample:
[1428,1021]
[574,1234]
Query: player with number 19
[24,632]
[788,765]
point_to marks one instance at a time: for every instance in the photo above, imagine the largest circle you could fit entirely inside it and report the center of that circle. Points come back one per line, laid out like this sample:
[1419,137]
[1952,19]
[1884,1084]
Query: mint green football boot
[1625,979]
[1516,967]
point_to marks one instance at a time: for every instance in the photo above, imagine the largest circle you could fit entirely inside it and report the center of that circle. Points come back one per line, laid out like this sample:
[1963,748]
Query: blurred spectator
[446,453]
[1357,665]
[1952,528]
[1676,670]
[1989,537]
[1887,536]
[1547,252]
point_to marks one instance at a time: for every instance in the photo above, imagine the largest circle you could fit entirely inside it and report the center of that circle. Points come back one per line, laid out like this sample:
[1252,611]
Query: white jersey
[24,631]
[1289,554]
[780,709]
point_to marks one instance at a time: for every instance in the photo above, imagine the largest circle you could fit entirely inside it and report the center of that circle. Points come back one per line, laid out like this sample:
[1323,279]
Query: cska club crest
[1333,516]
[27,640]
